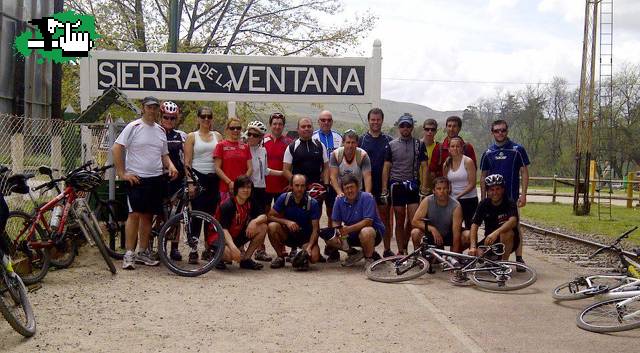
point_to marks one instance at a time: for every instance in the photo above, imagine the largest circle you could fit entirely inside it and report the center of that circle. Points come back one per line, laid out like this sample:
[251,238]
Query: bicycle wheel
[578,288]
[207,239]
[63,254]
[30,262]
[90,223]
[606,316]
[503,276]
[15,305]
[112,229]
[391,269]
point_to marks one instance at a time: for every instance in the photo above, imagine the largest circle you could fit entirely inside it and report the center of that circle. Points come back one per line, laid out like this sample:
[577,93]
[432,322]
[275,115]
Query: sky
[480,42]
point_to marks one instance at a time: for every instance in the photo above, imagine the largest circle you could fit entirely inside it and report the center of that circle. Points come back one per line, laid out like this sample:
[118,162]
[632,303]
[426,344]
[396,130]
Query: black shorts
[447,240]
[260,196]
[468,210]
[148,195]
[516,239]
[330,197]
[401,196]
[207,200]
[297,239]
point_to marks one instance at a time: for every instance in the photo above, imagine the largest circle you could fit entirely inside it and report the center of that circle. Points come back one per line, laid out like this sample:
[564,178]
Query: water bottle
[55,216]
[454,262]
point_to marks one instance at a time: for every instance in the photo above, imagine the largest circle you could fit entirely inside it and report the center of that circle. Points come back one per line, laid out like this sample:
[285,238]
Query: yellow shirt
[425,178]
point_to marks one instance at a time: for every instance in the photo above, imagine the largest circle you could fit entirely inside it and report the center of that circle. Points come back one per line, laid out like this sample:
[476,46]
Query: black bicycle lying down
[485,271]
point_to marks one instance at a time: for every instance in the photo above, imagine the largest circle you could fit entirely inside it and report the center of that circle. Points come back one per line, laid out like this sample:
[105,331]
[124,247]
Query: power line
[472,81]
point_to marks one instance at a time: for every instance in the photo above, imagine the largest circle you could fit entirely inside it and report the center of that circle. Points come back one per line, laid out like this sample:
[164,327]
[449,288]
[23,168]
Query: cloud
[475,40]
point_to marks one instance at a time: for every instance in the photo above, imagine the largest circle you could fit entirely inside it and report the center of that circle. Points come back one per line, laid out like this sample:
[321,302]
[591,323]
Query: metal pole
[174,26]
[111,175]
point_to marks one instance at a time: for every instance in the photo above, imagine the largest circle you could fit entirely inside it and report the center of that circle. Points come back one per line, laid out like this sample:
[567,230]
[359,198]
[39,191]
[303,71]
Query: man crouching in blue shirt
[357,223]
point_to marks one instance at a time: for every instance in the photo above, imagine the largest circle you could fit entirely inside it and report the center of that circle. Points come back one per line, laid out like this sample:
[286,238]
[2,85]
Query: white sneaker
[129,260]
[144,257]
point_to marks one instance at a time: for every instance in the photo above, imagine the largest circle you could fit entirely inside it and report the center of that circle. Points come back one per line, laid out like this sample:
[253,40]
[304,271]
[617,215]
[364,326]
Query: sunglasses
[251,134]
[432,129]
[235,128]
[499,130]
[405,126]
[169,118]
[208,117]
[277,116]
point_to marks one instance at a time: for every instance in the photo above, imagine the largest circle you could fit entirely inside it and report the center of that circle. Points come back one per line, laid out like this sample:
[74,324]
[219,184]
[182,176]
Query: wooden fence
[629,185]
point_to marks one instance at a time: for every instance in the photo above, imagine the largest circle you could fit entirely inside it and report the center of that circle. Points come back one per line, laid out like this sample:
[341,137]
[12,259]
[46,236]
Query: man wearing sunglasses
[331,140]
[400,179]
[140,154]
[427,146]
[510,160]
[169,113]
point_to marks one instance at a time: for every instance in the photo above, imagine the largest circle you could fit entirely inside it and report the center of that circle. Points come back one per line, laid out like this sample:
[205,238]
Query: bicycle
[179,224]
[483,271]
[611,315]
[34,236]
[608,286]
[14,302]
[106,212]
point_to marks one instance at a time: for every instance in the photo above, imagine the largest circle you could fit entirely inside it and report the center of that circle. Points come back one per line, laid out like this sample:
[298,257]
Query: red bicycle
[33,238]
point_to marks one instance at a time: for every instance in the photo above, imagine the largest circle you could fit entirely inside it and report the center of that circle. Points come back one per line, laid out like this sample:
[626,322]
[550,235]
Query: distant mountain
[349,114]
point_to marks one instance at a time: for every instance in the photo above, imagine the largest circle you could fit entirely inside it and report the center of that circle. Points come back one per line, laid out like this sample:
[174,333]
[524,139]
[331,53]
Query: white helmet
[258,125]
[169,108]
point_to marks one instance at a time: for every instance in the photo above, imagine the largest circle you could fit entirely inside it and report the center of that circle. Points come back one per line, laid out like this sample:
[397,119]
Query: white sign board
[206,77]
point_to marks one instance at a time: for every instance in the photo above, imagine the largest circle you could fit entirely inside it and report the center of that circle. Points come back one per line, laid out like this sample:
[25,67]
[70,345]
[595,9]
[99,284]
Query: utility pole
[174,26]
[584,126]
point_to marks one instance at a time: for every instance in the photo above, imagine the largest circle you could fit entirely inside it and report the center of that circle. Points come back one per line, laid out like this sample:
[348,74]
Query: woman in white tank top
[461,172]
[198,155]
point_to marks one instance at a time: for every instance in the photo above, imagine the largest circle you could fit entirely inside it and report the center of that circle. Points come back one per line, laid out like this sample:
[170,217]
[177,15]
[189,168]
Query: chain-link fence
[27,143]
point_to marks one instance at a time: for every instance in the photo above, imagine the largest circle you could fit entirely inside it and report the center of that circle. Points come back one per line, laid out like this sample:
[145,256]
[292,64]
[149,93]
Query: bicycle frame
[621,306]
[70,196]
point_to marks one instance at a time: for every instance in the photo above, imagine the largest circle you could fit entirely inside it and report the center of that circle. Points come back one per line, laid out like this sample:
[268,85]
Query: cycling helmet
[84,180]
[258,125]
[316,191]
[494,179]
[169,108]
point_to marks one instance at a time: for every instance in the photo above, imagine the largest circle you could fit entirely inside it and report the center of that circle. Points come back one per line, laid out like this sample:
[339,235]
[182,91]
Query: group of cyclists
[261,184]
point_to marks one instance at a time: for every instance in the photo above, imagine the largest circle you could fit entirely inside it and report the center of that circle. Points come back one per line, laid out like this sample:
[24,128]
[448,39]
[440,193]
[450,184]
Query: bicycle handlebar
[613,246]
[103,168]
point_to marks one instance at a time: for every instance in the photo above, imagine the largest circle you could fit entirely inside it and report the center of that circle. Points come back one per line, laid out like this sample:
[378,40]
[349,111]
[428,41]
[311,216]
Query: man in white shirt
[143,143]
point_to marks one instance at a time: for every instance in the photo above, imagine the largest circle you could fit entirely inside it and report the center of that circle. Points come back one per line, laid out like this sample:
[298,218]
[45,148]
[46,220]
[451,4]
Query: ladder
[605,109]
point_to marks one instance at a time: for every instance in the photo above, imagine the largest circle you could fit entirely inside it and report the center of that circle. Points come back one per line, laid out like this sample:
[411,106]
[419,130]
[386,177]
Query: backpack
[290,197]
[340,155]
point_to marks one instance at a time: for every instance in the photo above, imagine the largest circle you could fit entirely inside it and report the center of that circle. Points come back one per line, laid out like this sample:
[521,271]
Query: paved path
[328,309]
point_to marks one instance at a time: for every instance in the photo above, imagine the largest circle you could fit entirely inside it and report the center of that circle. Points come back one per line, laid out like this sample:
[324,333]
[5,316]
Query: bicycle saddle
[497,248]
[18,183]
[46,170]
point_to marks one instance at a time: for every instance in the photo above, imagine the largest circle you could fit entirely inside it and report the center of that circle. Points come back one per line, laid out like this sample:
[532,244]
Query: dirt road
[328,309]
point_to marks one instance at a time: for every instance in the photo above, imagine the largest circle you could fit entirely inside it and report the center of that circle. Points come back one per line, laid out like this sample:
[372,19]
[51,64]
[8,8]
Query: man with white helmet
[500,217]
[169,119]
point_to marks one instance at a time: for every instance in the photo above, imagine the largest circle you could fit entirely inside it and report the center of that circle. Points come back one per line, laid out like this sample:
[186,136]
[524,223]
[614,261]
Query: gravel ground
[330,308]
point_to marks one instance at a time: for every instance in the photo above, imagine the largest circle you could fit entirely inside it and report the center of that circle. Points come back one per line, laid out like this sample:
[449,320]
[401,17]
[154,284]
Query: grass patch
[561,215]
